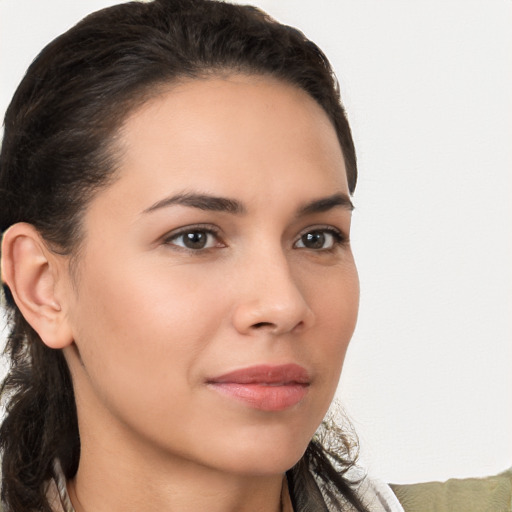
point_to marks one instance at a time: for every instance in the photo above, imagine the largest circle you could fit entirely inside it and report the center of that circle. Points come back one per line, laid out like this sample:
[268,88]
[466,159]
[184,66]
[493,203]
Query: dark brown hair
[57,152]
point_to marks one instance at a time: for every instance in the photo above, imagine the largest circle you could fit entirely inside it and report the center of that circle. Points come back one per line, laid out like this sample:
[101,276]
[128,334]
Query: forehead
[230,136]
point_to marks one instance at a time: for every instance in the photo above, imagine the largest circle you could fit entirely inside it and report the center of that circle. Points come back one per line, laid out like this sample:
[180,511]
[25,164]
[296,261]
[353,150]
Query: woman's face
[216,290]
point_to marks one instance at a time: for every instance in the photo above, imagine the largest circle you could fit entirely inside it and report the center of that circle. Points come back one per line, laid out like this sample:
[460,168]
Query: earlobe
[32,273]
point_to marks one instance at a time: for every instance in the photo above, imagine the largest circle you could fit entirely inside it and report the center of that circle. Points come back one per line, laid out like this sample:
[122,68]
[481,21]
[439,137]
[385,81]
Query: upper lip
[265,374]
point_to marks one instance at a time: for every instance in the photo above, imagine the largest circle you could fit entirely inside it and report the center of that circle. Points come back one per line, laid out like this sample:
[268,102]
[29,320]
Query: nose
[271,298]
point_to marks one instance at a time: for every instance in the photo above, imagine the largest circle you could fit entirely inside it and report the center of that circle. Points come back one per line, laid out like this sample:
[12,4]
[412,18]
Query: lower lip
[263,397]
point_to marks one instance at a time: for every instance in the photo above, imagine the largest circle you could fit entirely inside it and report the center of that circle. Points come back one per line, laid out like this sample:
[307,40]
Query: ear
[32,272]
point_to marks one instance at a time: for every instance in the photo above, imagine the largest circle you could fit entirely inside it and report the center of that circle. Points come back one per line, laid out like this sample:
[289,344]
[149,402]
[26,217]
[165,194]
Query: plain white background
[428,89]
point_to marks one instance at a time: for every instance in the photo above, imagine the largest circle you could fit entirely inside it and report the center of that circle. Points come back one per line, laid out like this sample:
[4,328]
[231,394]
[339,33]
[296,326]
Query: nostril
[263,324]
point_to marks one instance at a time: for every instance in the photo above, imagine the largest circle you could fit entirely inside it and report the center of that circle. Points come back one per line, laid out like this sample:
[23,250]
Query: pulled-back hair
[57,152]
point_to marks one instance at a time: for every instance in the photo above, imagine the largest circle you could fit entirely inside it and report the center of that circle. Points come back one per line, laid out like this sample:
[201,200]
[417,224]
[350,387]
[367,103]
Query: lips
[264,387]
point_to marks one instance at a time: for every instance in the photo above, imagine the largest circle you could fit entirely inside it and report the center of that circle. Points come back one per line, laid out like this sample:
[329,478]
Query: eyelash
[339,238]
[199,228]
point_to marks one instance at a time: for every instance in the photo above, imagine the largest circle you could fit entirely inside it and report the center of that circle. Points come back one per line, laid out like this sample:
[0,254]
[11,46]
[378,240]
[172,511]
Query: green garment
[491,494]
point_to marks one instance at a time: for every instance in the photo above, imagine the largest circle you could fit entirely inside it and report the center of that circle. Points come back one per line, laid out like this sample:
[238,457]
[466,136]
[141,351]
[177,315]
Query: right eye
[194,239]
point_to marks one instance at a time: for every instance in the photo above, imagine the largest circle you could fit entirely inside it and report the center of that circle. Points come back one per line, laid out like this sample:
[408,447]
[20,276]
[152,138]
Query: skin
[150,321]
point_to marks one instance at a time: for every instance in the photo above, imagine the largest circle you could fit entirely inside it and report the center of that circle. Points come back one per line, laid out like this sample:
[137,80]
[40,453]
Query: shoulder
[493,493]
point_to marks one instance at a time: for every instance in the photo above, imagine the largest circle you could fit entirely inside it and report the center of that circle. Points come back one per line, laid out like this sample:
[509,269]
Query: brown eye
[194,239]
[315,240]
[319,240]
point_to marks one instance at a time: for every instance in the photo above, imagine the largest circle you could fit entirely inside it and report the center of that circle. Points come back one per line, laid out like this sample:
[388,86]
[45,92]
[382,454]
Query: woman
[176,181]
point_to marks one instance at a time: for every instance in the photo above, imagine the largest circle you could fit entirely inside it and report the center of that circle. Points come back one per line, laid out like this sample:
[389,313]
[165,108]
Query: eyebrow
[327,203]
[200,201]
[224,204]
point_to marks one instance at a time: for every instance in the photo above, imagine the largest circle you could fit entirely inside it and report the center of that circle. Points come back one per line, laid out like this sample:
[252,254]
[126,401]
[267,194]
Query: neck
[106,484]
[114,475]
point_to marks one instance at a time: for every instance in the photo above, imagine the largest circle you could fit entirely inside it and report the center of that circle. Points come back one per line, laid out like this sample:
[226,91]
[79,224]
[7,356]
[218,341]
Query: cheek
[140,333]
[336,306]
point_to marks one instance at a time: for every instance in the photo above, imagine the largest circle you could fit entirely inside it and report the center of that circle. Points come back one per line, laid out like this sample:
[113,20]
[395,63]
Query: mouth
[264,387]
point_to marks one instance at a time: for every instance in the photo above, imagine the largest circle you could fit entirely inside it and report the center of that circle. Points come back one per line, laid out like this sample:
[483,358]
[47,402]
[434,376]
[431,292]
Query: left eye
[194,239]
[319,239]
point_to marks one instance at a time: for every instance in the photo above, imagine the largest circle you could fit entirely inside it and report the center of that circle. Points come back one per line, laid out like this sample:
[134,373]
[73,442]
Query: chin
[265,457]
[264,449]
